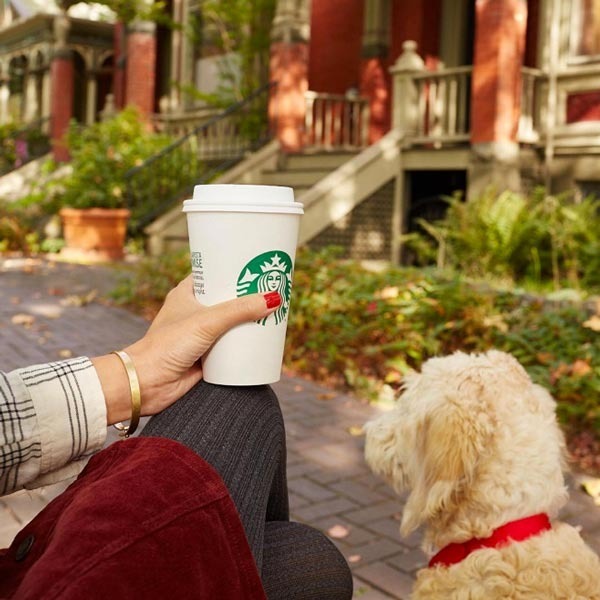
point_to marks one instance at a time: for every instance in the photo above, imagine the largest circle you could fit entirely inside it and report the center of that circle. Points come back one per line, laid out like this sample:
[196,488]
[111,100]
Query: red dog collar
[515,531]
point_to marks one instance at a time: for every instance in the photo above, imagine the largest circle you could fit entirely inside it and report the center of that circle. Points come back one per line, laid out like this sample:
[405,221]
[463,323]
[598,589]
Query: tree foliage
[238,31]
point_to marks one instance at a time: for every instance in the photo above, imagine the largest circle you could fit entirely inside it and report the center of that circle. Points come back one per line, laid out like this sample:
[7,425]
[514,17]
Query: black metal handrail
[24,145]
[198,157]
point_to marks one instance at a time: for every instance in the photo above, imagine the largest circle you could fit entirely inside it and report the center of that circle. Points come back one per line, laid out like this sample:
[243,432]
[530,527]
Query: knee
[322,570]
[252,403]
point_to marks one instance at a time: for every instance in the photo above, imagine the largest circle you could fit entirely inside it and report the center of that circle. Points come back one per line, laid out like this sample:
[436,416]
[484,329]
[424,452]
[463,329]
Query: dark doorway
[104,80]
[427,190]
[79,88]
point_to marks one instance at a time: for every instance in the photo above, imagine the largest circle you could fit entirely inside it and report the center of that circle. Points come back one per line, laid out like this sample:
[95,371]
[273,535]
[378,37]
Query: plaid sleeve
[53,417]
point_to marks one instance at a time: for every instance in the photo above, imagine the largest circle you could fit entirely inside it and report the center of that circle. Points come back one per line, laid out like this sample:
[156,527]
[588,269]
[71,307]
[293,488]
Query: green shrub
[101,155]
[535,238]
[363,330]
[19,143]
[146,286]
[18,230]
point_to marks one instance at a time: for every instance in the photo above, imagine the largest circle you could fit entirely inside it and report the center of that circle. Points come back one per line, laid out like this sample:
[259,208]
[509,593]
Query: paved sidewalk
[330,486]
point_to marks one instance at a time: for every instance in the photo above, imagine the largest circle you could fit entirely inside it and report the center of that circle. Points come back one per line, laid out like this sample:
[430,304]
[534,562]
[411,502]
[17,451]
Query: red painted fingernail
[273,299]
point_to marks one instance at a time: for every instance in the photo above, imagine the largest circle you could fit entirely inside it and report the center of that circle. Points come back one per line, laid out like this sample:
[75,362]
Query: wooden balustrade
[178,124]
[336,121]
[433,106]
[442,112]
[532,107]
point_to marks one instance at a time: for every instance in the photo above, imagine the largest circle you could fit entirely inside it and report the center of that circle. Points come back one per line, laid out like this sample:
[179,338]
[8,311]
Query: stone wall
[365,233]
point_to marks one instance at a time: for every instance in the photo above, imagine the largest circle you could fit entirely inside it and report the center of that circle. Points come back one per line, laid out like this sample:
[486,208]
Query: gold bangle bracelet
[136,396]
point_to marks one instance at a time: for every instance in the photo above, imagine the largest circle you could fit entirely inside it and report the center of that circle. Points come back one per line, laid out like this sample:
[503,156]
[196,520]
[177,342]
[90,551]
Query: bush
[17,231]
[101,155]
[536,238]
[145,289]
[364,330]
[19,144]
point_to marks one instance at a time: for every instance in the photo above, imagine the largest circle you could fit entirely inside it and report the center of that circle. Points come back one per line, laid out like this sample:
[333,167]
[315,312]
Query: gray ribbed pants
[240,432]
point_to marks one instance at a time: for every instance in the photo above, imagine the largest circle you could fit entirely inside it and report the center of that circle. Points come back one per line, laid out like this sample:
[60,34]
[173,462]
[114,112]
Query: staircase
[331,185]
[303,171]
[347,189]
[267,166]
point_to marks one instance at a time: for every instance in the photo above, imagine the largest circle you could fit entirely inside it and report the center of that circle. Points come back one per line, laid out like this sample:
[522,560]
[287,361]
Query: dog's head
[453,420]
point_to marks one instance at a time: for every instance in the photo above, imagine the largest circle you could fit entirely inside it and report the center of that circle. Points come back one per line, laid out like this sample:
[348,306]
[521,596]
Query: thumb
[219,318]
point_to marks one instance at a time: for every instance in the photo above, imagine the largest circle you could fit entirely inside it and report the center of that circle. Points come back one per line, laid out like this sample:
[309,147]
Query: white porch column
[91,93]
[4,95]
[404,98]
[30,111]
[46,88]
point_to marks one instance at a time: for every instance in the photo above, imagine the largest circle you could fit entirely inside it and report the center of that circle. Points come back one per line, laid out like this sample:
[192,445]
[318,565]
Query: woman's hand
[167,357]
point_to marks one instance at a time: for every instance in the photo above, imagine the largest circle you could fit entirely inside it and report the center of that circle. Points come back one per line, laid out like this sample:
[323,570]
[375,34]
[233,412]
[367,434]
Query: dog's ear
[450,441]
[382,437]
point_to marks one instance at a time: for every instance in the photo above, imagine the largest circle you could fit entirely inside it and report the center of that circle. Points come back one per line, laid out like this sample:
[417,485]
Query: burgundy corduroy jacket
[147,519]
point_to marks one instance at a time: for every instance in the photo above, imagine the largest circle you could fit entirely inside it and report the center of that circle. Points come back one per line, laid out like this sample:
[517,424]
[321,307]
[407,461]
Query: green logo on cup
[268,272]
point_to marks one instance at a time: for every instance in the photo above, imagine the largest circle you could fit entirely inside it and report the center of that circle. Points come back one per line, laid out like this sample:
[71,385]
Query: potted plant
[94,213]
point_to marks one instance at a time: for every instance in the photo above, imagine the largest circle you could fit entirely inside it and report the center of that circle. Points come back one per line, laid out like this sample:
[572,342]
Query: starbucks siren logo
[268,272]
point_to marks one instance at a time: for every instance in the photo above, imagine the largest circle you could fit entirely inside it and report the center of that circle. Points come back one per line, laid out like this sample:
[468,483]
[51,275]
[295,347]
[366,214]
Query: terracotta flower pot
[94,234]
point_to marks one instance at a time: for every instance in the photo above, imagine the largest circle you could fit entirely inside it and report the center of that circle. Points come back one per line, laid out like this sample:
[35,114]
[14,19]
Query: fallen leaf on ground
[389,292]
[354,558]
[23,319]
[580,368]
[557,373]
[593,323]
[326,396]
[592,488]
[15,300]
[54,291]
[544,357]
[65,353]
[79,300]
[338,531]
[356,430]
[298,388]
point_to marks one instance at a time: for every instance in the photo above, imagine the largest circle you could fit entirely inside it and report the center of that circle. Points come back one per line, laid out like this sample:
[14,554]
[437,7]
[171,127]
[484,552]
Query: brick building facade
[501,92]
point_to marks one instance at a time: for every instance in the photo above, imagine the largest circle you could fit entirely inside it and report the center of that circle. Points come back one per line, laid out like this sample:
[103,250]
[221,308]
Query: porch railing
[532,107]
[197,157]
[336,121]
[442,111]
[20,146]
[181,123]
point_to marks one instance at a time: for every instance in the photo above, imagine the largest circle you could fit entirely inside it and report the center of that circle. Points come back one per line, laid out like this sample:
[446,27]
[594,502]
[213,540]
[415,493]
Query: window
[585,28]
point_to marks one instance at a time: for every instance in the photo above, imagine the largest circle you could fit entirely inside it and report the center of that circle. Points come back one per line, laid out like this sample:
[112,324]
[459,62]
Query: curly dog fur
[478,445]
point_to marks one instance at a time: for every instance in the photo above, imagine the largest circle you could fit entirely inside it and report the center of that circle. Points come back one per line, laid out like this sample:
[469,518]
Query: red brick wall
[61,103]
[119,72]
[140,72]
[335,45]
[584,106]
[418,20]
[288,66]
[496,82]
[335,61]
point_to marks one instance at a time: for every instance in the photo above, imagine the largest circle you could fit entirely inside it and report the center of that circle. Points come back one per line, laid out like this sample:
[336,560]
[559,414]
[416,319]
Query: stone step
[294,178]
[318,160]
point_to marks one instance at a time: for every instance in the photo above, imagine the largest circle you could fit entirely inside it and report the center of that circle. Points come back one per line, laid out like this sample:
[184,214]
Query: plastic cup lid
[243,198]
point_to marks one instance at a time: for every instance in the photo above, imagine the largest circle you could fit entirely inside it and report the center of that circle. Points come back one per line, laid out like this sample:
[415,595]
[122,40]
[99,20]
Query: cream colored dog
[478,445]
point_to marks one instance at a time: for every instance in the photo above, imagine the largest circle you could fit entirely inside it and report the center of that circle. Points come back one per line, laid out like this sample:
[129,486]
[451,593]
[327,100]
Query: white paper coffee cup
[243,240]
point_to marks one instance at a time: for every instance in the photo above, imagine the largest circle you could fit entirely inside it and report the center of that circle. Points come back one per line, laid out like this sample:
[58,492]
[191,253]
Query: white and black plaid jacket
[52,419]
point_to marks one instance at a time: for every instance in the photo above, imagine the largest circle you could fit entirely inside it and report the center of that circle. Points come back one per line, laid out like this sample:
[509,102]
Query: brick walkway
[330,486]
